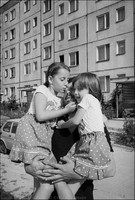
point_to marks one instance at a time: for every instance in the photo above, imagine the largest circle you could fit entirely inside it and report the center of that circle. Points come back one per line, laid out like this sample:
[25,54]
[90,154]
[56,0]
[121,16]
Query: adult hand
[36,167]
[61,172]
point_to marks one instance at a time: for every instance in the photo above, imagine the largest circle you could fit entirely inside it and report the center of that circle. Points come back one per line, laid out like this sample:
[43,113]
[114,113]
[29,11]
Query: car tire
[3,148]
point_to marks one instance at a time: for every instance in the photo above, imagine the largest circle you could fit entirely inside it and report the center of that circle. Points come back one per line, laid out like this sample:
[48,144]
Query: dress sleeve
[42,89]
[86,102]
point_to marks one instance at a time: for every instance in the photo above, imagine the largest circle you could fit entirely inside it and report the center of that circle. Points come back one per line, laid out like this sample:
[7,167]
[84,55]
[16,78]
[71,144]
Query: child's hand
[71,106]
[59,124]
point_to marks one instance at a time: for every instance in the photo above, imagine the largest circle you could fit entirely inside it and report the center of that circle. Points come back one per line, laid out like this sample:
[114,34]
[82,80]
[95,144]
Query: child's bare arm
[74,121]
[42,114]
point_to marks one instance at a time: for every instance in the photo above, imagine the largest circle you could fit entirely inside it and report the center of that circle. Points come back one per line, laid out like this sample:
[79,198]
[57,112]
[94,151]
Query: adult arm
[63,172]
[60,172]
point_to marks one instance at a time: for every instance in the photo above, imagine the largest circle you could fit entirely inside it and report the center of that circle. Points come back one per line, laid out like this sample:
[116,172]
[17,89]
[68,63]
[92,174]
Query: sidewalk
[122,185]
[20,185]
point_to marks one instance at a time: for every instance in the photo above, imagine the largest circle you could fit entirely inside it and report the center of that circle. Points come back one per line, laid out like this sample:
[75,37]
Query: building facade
[89,36]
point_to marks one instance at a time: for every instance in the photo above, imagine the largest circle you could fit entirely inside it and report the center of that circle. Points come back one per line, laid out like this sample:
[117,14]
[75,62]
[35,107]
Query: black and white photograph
[67,99]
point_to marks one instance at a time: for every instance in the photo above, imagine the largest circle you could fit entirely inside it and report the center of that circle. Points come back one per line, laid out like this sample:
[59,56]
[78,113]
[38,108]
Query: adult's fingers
[54,178]
[65,159]
[56,181]
[55,165]
[52,171]
[38,157]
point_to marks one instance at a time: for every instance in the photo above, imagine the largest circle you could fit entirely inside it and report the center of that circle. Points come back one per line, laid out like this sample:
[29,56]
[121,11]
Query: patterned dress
[33,137]
[91,153]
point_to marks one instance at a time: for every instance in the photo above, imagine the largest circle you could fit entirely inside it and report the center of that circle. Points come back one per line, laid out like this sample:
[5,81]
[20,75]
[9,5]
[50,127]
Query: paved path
[122,185]
[13,178]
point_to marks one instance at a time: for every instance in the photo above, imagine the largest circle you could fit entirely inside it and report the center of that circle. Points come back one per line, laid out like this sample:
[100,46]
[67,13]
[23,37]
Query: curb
[123,147]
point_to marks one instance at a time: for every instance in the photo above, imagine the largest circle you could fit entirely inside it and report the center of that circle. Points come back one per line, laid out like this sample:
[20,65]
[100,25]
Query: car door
[13,132]
[6,133]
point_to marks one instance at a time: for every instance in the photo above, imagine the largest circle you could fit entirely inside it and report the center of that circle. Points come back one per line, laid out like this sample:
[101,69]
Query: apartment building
[89,36]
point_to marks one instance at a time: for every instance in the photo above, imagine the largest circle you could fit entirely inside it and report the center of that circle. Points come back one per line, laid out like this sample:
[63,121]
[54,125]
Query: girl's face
[79,94]
[59,82]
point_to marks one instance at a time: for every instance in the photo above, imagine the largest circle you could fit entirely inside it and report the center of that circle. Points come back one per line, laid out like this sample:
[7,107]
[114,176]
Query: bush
[128,136]
[12,103]
[12,109]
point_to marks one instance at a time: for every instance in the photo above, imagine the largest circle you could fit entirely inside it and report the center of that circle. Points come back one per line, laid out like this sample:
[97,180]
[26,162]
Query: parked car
[7,134]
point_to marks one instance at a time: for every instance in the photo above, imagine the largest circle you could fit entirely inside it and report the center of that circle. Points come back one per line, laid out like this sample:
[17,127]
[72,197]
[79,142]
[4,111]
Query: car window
[14,127]
[7,127]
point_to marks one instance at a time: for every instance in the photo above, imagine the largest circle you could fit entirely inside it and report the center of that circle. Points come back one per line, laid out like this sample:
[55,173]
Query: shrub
[128,136]
[12,103]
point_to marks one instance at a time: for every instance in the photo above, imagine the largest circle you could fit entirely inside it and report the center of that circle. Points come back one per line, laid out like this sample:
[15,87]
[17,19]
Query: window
[6,73]
[6,17]
[34,2]
[27,69]
[12,91]
[35,66]
[74,59]
[47,29]
[103,53]
[103,22]
[61,9]
[12,34]
[12,53]
[120,47]
[73,5]
[12,72]
[27,27]
[47,52]
[6,54]
[26,6]
[120,14]
[7,127]
[105,83]
[35,44]
[47,5]
[14,127]
[6,36]
[61,58]
[44,78]
[35,22]
[74,31]
[12,15]
[61,34]
[6,91]
[27,48]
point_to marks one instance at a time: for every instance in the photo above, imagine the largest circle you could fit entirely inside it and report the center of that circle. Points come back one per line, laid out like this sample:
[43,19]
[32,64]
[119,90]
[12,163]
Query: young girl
[91,154]
[35,130]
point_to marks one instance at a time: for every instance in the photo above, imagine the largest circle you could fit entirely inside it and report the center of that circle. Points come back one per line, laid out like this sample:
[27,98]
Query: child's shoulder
[42,88]
[90,98]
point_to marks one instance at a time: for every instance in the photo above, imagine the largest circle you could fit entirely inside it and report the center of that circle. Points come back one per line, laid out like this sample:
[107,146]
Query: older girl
[35,129]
